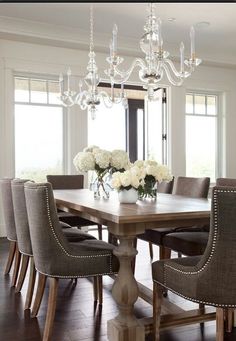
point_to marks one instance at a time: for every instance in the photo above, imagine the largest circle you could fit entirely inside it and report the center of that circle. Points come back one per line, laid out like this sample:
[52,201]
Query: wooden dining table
[126,221]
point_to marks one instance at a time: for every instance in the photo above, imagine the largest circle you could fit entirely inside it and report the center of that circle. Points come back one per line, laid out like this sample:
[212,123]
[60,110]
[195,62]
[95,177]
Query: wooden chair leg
[99,232]
[157,301]
[52,302]
[95,289]
[100,290]
[31,283]
[39,294]
[201,306]
[11,254]
[150,250]
[16,266]
[219,324]
[164,252]
[23,270]
[229,319]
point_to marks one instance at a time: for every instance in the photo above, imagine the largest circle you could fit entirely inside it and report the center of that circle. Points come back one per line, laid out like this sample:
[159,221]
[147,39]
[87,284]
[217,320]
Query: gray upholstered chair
[53,255]
[187,186]
[208,279]
[8,215]
[25,247]
[192,242]
[71,182]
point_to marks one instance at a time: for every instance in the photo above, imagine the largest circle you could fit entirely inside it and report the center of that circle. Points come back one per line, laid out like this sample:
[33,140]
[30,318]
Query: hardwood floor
[77,319]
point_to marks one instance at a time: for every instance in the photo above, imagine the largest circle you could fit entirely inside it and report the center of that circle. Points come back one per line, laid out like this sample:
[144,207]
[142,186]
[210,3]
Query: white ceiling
[67,24]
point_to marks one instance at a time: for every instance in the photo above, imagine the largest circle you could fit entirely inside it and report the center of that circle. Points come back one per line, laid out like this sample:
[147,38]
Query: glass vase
[101,188]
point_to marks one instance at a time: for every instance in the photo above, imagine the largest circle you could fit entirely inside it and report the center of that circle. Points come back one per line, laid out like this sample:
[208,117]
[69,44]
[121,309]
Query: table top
[167,207]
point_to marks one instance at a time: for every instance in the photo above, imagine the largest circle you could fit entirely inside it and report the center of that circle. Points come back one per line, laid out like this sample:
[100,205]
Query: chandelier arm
[185,74]
[124,75]
[170,79]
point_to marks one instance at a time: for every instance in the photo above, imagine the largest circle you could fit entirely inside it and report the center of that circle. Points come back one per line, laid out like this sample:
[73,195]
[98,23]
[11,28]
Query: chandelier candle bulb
[159,34]
[182,57]
[114,38]
[192,39]
[68,78]
[61,82]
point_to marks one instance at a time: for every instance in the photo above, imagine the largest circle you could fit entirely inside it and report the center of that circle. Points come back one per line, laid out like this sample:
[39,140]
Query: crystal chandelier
[91,97]
[156,63]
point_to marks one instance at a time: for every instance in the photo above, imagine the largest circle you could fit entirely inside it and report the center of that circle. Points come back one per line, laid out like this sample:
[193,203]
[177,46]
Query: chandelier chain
[91,28]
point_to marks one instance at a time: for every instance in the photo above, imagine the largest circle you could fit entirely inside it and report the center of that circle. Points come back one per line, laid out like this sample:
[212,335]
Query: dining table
[126,221]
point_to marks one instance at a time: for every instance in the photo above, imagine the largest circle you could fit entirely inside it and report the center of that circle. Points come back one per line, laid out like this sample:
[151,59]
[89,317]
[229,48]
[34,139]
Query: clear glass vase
[101,187]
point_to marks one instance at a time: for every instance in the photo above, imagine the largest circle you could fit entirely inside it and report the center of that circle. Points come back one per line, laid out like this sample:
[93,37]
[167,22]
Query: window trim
[46,77]
[219,120]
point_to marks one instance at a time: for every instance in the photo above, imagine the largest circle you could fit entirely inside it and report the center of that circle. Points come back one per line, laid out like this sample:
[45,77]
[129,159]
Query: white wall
[33,58]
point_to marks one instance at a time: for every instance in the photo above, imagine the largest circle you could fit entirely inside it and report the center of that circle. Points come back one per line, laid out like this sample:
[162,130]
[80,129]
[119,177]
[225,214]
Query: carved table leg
[125,326]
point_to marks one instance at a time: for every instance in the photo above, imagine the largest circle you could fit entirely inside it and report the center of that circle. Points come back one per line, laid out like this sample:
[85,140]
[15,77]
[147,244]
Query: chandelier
[90,98]
[156,63]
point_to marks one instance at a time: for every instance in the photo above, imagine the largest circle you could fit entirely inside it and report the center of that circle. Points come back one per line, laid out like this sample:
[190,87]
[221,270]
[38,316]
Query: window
[107,130]
[38,128]
[147,130]
[141,130]
[202,135]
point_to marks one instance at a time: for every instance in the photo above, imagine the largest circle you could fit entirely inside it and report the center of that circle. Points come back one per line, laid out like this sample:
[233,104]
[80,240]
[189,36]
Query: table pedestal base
[116,331]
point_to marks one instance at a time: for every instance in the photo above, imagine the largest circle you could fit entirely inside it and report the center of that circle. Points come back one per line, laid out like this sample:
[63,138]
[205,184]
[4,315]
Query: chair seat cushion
[73,219]
[155,236]
[83,259]
[188,243]
[75,235]
[160,268]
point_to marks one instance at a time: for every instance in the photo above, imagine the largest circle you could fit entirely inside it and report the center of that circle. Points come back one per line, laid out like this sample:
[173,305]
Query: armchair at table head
[211,278]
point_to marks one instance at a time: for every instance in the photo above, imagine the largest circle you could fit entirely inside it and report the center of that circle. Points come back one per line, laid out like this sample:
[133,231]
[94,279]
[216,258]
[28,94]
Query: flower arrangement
[152,173]
[128,179]
[102,161]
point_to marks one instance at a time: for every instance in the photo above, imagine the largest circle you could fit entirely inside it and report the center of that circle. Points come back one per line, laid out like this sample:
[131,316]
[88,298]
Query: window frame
[44,77]
[219,120]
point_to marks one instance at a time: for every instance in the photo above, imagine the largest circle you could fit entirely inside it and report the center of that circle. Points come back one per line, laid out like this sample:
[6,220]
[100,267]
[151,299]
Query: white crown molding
[67,37]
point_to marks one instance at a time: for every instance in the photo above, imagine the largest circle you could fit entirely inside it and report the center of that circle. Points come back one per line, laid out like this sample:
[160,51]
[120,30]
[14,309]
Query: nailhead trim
[62,247]
[75,276]
[195,300]
[213,247]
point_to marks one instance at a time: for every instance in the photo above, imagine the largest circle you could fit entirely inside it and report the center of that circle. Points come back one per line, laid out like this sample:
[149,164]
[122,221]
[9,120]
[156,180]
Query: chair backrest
[7,205]
[66,181]
[165,187]
[226,182]
[48,242]
[21,218]
[217,267]
[192,187]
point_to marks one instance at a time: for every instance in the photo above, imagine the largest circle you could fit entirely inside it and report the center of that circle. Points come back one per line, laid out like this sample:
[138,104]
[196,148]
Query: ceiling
[67,24]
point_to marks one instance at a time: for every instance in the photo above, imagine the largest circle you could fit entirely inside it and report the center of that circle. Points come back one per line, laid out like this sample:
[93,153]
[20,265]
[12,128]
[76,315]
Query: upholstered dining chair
[208,279]
[8,215]
[192,242]
[53,255]
[187,186]
[25,247]
[71,182]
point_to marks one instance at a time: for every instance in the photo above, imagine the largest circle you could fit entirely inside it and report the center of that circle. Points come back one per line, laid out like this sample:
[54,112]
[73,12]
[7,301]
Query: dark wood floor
[77,319]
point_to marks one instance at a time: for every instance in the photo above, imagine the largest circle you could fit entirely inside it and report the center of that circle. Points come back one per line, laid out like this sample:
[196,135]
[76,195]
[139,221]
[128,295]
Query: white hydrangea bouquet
[127,184]
[103,162]
[152,174]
